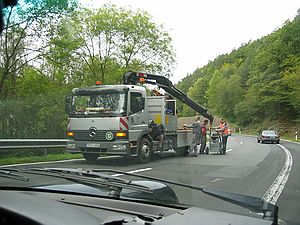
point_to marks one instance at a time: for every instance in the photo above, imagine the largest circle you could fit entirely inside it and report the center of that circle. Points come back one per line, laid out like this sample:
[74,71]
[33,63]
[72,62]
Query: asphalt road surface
[270,171]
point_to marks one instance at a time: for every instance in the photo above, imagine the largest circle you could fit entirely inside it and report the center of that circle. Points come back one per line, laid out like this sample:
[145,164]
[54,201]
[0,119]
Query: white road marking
[277,187]
[38,163]
[133,171]
[216,180]
[229,150]
[59,161]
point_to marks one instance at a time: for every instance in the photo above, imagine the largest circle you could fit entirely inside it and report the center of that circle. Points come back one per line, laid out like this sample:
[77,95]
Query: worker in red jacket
[203,136]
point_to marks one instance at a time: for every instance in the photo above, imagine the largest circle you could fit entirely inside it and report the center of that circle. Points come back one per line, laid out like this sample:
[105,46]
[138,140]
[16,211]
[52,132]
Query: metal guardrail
[32,143]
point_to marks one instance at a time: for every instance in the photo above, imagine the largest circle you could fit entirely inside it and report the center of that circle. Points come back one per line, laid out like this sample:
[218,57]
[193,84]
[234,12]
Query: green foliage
[258,82]
[25,37]
[101,44]
[292,82]
[51,46]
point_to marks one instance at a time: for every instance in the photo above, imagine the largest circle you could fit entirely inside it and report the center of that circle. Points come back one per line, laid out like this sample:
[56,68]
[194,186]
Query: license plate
[92,145]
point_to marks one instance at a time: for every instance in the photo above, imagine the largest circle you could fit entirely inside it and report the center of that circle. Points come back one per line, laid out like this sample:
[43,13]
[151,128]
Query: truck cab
[106,119]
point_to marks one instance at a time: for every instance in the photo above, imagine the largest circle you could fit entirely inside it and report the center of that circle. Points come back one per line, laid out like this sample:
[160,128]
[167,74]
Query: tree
[112,39]
[21,41]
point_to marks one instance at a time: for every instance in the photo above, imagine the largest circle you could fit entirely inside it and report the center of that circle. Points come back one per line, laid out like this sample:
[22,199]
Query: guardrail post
[296,135]
[45,152]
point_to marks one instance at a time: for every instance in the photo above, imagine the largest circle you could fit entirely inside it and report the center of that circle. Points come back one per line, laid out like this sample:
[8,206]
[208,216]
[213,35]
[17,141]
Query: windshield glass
[269,132]
[99,104]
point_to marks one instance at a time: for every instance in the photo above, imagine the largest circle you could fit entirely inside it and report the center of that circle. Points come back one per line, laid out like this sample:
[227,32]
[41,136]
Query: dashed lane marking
[229,150]
[51,162]
[38,163]
[133,171]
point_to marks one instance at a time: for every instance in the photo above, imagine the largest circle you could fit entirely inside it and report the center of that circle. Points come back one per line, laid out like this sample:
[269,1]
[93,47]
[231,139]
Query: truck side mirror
[68,104]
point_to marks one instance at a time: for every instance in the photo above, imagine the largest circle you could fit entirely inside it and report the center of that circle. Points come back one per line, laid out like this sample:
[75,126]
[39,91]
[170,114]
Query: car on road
[269,136]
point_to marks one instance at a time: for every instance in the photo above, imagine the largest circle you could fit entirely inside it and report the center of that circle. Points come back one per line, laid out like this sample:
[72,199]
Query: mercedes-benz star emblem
[92,131]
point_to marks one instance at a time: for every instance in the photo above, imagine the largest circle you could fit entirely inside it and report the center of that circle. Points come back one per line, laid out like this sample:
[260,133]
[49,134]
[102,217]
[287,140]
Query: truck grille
[83,135]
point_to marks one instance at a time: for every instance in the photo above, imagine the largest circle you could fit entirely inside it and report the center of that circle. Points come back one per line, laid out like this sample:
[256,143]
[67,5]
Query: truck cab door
[138,120]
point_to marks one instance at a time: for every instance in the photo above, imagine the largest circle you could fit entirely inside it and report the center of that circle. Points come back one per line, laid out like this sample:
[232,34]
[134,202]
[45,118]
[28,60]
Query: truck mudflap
[105,148]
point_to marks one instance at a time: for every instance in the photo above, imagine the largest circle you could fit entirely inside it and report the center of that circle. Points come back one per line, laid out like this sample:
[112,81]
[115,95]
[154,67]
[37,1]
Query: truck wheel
[91,157]
[145,151]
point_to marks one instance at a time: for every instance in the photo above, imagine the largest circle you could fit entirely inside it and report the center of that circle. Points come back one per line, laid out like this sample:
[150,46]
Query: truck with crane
[122,120]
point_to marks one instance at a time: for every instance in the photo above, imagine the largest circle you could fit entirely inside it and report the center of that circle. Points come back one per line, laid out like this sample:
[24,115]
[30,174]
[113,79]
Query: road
[264,170]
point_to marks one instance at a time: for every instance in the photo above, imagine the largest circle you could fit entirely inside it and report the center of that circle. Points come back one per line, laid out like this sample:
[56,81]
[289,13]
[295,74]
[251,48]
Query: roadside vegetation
[49,47]
[256,86]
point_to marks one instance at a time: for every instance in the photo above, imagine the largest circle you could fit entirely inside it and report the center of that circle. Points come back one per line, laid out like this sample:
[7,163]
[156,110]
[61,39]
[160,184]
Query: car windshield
[202,93]
[269,132]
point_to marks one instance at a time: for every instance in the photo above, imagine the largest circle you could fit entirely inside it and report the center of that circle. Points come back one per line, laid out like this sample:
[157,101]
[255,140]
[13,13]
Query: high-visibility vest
[224,132]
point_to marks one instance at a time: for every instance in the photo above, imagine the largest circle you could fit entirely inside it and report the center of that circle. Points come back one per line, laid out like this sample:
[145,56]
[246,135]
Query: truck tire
[145,150]
[91,157]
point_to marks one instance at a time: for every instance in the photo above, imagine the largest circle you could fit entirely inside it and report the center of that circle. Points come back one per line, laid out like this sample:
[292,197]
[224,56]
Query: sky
[202,30]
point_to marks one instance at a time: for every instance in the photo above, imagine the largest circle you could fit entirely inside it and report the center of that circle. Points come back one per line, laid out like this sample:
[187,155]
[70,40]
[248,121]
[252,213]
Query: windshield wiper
[89,178]
[254,204]
[9,174]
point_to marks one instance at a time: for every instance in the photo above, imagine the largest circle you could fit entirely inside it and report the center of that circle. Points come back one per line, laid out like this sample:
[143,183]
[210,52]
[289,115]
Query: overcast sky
[203,29]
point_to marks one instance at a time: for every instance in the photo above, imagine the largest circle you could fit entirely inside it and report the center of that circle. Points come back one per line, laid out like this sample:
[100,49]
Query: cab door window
[137,102]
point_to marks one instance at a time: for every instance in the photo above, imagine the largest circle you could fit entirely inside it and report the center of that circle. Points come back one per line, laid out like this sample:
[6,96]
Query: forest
[49,47]
[256,86]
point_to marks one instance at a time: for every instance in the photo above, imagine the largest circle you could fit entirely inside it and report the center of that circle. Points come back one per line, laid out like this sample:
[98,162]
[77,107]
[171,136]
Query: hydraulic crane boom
[164,83]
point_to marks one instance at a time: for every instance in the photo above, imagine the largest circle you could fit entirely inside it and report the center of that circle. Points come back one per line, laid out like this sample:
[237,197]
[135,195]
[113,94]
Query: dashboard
[44,207]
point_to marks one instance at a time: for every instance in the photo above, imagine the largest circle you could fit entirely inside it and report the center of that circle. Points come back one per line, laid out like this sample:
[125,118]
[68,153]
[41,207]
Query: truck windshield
[99,104]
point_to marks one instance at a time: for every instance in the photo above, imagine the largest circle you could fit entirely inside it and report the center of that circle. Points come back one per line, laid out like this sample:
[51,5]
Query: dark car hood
[161,193]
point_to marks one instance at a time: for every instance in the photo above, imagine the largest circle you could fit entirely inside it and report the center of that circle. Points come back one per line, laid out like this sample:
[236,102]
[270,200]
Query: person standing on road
[196,136]
[203,136]
[223,130]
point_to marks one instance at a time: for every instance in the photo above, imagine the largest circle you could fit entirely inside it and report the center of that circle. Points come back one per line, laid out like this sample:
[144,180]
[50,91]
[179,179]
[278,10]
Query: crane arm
[164,83]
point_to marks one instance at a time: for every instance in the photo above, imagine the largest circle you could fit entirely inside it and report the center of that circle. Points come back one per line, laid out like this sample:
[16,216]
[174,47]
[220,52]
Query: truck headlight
[70,134]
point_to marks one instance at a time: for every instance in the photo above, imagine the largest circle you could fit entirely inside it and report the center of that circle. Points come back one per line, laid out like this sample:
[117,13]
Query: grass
[31,159]
[290,138]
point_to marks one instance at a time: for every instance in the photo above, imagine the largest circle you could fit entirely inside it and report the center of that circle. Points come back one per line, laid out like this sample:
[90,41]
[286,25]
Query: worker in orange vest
[223,130]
